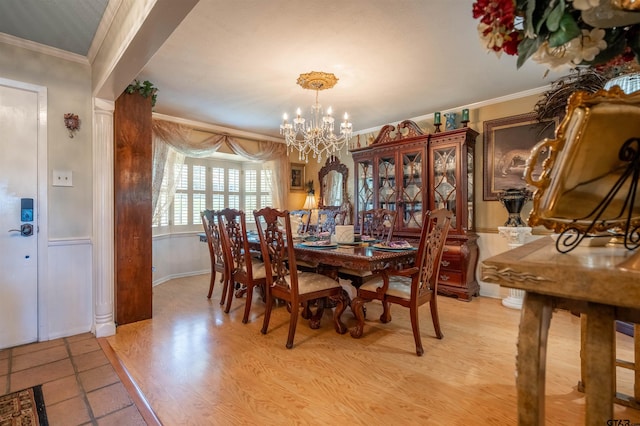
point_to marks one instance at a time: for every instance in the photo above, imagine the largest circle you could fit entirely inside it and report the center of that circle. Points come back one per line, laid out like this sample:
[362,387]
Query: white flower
[589,45]
[583,48]
[585,4]
[556,58]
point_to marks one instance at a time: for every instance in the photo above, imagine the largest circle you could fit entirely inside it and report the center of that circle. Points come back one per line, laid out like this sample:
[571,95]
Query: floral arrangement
[556,32]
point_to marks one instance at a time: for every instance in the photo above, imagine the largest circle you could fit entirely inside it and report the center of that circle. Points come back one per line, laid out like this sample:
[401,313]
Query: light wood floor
[197,365]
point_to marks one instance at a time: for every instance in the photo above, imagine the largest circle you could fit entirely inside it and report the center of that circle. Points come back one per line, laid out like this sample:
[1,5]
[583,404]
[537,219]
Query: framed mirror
[333,183]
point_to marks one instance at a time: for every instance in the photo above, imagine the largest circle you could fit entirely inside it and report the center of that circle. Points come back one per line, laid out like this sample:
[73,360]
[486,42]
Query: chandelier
[316,135]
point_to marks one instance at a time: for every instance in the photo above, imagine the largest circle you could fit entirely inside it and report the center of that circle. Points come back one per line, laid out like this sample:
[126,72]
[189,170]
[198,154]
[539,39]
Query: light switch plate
[62,178]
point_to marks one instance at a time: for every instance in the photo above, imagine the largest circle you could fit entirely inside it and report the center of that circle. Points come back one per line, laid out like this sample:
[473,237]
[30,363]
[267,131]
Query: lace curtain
[171,144]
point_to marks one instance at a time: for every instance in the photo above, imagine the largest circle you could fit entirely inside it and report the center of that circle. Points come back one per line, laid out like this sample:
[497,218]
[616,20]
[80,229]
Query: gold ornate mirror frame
[589,171]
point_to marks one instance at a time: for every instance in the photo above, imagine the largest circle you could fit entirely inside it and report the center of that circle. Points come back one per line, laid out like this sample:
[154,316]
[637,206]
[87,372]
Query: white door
[18,180]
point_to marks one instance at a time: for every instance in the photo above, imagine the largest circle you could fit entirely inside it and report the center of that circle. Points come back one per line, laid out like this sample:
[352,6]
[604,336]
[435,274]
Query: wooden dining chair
[285,282]
[214,241]
[302,218]
[244,269]
[411,287]
[377,224]
[327,220]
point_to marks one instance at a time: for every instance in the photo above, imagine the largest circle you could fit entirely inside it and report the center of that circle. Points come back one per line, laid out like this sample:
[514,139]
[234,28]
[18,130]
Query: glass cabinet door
[412,190]
[387,185]
[365,188]
[445,184]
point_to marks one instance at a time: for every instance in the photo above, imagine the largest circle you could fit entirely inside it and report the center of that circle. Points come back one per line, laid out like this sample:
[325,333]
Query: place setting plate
[394,246]
[320,244]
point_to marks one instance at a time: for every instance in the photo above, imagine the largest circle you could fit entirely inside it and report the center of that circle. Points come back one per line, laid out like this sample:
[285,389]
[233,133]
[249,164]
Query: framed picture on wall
[507,145]
[296,180]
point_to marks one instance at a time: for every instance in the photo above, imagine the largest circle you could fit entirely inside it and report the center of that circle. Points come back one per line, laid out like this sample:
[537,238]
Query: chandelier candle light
[317,136]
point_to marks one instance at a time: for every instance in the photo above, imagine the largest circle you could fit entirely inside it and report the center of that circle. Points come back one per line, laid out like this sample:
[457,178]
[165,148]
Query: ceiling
[235,63]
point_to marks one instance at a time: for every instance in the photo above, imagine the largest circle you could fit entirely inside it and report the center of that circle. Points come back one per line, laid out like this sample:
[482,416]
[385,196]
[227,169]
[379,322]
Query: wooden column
[132,208]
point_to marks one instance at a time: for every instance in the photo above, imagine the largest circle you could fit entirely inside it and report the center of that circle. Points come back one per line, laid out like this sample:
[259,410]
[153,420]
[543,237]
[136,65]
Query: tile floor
[79,384]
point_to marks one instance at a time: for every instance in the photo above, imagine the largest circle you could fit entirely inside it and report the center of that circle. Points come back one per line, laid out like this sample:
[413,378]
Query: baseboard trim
[182,275]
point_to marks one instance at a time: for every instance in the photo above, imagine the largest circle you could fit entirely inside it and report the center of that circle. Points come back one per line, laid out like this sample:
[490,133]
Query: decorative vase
[513,199]
[450,123]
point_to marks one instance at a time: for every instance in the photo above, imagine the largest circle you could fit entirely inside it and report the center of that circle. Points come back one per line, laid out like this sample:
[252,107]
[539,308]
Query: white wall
[179,255]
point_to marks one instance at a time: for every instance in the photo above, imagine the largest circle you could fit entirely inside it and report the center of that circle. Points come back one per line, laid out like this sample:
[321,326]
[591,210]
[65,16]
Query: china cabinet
[450,176]
[411,172]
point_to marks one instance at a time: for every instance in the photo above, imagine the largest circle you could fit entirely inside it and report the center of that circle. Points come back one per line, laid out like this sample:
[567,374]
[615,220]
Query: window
[214,184]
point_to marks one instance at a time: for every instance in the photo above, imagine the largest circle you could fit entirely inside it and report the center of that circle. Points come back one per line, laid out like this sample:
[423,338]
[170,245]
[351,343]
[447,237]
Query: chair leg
[212,282]
[230,285]
[247,304]
[415,325]
[292,326]
[267,315]
[225,282]
[433,305]
[386,312]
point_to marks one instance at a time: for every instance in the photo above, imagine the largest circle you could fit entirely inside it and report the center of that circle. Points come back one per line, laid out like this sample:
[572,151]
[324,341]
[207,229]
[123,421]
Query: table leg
[531,359]
[599,363]
[342,301]
[357,307]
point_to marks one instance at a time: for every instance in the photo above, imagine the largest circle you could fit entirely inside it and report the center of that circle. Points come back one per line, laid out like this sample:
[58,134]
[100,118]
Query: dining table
[362,256]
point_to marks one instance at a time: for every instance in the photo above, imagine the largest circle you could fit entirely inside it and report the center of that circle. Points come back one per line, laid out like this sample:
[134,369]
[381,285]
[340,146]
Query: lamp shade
[310,202]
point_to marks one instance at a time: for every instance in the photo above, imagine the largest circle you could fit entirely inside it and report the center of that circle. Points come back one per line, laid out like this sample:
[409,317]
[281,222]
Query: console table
[588,280]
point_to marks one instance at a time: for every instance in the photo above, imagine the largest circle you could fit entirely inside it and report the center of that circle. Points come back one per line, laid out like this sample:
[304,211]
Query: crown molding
[506,98]
[41,48]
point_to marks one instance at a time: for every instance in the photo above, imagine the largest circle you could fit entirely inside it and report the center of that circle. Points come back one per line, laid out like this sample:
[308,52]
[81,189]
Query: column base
[514,300]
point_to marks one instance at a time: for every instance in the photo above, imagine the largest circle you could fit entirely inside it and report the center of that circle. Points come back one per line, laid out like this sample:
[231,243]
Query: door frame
[42,232]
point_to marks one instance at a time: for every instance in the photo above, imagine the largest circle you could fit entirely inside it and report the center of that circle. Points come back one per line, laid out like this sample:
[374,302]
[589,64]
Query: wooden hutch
[410,172]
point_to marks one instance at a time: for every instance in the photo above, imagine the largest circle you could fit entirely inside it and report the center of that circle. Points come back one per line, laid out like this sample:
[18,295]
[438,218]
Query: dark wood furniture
[243,269]
[285,282]
[410,287]
[362,257]
[451,181]
[579,281]
[376,224]
[132,208]
[216,253]
[411,172]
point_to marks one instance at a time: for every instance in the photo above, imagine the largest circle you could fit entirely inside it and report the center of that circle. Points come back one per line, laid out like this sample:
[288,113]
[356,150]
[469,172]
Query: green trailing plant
[309,186]
[145,89]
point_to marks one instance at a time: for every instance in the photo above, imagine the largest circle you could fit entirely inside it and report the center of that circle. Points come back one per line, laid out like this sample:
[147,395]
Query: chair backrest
[233,228]
[378,223]
[432,240]
[276,244]
[214,239]
[302,218]
[327,220]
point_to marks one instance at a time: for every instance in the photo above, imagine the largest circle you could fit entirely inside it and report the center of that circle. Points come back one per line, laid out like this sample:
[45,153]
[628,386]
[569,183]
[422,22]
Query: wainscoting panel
[179,255]
[69,288]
